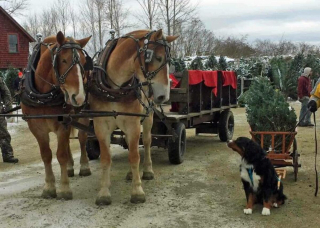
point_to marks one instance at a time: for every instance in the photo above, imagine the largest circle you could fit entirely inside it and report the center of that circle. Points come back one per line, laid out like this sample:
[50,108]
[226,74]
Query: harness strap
[315,157]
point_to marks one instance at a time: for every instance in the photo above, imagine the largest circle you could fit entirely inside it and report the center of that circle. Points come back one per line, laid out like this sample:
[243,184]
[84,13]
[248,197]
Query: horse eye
[64,61]
[158,58]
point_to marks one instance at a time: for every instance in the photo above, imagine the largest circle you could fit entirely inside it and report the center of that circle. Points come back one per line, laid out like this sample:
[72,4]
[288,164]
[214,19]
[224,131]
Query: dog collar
[250,173]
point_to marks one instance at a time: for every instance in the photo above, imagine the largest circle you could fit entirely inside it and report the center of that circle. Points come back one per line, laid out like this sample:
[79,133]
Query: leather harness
[98,85]
[129,91]
[29,95]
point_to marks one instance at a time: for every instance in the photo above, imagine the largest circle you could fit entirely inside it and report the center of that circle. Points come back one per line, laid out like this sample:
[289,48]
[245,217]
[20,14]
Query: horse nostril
[161,98]
[73,97]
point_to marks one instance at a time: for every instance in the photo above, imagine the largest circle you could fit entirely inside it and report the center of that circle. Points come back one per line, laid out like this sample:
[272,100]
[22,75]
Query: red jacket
[304,87]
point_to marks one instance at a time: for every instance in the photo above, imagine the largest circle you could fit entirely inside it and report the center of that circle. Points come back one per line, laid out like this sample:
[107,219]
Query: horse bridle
[148,54]
[75,60]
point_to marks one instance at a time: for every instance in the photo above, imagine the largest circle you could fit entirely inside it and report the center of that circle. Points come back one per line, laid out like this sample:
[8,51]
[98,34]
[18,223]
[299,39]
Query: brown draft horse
[60,64]
[127,59]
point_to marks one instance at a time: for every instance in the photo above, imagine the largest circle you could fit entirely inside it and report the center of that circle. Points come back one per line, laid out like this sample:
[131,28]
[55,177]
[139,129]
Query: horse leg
[104,196]
[49,190]
[146,138]
[70,163]
[84,161]
[137,193]
[64,191]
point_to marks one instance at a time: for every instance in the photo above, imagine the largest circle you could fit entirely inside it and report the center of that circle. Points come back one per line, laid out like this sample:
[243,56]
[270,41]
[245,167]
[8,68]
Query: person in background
[5,138]
[16,84]
[304,89]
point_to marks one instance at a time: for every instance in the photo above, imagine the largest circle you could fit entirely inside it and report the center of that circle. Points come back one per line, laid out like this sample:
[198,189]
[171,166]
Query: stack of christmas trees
[268,110]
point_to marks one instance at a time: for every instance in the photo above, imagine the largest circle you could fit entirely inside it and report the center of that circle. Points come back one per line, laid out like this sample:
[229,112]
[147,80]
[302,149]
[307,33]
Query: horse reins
[316,154]
[148,56]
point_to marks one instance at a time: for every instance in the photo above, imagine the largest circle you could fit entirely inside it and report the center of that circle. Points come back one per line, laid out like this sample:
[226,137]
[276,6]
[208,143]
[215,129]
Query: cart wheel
[93,149]
[295,160]
[177,148]
[226,126]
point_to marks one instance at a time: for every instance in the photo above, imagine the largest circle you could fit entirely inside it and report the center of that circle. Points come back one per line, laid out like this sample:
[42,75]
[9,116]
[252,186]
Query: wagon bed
[194,103]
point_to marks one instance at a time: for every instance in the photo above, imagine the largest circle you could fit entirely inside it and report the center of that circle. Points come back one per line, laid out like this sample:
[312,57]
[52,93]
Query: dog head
[247,148]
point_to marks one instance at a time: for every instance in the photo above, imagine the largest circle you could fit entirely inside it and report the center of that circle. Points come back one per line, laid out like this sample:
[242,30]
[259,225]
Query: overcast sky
[294,20]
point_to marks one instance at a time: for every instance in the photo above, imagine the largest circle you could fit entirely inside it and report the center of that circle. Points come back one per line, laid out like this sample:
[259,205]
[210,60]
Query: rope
[316,153]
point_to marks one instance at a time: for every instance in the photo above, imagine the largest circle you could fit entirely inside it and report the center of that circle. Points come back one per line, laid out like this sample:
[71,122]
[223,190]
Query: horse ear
[169,39]
[83,41]
[158,34]
[60,38]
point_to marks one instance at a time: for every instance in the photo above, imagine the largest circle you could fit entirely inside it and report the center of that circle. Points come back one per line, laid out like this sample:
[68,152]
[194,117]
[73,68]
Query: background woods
[282,61]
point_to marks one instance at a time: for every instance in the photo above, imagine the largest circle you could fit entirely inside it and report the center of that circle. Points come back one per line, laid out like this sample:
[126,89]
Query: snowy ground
[204,191]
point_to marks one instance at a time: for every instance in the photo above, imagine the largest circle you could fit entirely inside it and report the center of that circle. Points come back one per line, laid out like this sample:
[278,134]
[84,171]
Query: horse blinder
[89,63]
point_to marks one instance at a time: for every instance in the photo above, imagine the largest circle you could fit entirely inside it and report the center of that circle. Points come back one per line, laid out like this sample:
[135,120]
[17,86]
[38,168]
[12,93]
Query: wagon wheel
[93,149]
[226,125]
[295,160]
[177,148]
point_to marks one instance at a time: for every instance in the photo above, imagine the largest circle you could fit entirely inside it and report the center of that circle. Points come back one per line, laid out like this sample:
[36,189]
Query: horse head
[69,63]
[153,63]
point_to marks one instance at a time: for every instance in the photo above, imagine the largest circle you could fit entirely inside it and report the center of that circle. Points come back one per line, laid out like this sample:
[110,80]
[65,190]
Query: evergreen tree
[313,62]
[243,69]
[291,79]
[197,64]
[182,65]
[279,69]
[223,65]
[268,110]
[211,63]
[9,78]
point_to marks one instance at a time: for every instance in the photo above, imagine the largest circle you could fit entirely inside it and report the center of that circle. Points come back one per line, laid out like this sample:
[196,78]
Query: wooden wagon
[201,100]
[282,154]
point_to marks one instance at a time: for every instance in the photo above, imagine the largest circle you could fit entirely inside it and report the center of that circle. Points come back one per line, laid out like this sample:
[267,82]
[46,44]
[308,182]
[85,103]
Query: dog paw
[247,211]
[275,205]
[265,211]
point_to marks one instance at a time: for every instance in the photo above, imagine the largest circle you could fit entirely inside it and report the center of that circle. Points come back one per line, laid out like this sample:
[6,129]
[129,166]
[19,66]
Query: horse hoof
[138,199]
[64,195]
[70,172]
[103,200]
[84,172]
[129,176]
[49,194]
[147,176]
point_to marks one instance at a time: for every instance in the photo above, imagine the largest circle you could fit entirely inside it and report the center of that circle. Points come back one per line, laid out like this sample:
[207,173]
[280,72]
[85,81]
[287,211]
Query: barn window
[13,43]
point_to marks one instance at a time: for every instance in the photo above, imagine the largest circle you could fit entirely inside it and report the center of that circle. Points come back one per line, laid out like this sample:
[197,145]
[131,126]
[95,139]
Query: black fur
[256,156]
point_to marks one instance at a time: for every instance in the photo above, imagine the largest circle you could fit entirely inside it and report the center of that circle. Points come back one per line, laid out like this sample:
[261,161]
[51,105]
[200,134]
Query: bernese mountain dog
[259,178]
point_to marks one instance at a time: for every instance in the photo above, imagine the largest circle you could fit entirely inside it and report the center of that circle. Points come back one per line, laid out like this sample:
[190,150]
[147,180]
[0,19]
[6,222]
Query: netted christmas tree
[268,110]
[223,65]
[178,64]
[197,64]
[211,63]
[243,69]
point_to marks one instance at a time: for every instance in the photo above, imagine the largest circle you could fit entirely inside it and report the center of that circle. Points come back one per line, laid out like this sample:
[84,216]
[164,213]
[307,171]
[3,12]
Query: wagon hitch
[162,118]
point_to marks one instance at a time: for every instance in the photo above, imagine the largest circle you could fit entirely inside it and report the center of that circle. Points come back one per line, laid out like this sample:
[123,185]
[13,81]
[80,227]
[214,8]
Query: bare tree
[73,18]
[62,9]
[117,16]
[149,13]
[88,24]
[14,7]
[174,11]
[31,25]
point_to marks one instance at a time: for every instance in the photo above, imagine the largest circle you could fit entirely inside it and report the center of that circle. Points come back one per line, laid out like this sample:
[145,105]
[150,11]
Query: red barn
[14,42]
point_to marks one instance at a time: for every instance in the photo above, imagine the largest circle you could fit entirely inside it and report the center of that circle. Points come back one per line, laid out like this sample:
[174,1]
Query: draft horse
[136,69]
[54,84]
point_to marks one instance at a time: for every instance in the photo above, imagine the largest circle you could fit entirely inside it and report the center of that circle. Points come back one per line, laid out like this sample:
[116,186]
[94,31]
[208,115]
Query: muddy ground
[204,191]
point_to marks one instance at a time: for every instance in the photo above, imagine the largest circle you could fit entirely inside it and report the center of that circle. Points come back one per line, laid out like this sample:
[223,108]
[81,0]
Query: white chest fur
[249,176]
